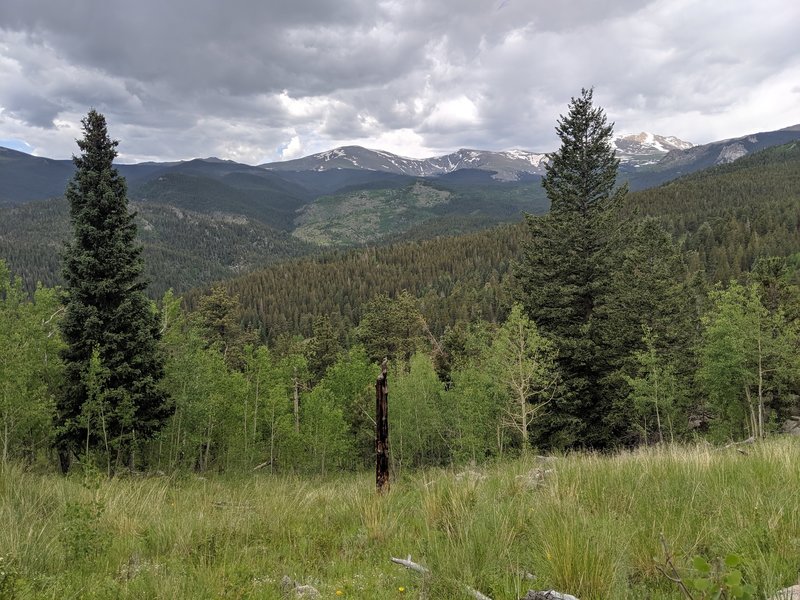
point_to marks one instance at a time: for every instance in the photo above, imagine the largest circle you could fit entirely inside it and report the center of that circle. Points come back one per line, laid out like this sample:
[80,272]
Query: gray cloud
[255,81]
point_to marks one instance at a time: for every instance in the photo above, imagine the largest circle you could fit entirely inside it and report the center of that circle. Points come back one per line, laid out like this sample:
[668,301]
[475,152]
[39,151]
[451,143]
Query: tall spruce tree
[561,276]
[106,315]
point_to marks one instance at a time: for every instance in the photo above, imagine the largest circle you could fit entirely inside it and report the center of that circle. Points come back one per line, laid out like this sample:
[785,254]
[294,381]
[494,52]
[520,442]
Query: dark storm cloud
[239,47]
[256,81]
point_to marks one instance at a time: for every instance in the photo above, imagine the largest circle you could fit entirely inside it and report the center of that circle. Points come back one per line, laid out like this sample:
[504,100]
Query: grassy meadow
[588,525]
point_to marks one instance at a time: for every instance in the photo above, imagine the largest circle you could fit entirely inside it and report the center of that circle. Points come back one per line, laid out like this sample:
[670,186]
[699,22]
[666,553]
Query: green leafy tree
[461,345]
[646,288]
[475,393]
[655,391]
[106,309]
[420,422]
[206,429]
[392,327]
[478,401]
[219,316]
[747,355]
[523,363]
[323,347]
[561,278]
[29,368]
[271,421]
[325,432]
[351,380]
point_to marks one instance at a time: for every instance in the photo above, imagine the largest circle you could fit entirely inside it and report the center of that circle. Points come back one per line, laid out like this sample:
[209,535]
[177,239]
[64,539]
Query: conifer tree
[561,278]
[107,313]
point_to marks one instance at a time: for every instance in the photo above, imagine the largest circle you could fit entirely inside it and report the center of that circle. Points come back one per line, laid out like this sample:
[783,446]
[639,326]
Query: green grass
[584,524]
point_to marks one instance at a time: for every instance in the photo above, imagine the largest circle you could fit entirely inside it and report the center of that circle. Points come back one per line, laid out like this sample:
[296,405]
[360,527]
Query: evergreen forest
[689,331]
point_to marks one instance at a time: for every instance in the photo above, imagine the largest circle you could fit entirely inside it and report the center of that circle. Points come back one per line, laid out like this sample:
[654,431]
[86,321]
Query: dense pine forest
[182,248]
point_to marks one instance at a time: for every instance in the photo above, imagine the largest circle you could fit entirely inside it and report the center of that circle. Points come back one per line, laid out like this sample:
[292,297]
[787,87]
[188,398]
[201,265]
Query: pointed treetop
[98,149]
[583,171]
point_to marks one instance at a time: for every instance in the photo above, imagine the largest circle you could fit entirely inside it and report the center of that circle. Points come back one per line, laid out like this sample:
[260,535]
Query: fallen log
[750,440]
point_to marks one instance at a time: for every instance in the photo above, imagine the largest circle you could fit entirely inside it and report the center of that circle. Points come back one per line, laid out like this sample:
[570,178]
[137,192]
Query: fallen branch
[750,440]
[410,564]
[226,504]
[531,595]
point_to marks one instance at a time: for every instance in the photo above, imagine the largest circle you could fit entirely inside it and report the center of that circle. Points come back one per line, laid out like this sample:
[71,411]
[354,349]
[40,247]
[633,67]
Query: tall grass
[584,524]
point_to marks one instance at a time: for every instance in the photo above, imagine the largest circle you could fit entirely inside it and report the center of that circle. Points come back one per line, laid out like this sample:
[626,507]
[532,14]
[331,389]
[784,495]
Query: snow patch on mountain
[509,165]
[645,148]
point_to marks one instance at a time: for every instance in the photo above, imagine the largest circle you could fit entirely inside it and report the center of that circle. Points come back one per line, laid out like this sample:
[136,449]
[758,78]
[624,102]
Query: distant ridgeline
[207,220]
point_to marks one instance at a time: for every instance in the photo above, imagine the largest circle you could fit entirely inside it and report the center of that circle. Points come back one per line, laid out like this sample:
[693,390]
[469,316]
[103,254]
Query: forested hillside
[182,248]
[730,215]
[200,223]
[206,220]
[456,278]
[724,219]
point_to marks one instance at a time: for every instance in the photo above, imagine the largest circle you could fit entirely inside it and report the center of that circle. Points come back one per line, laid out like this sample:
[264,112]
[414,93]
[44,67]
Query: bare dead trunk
[296,402]
[382,430]
[760,391]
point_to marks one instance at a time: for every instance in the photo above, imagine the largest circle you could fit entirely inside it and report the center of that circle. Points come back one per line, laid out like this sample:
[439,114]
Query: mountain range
[645,158]
[343,197]
[506,166]
[509,165]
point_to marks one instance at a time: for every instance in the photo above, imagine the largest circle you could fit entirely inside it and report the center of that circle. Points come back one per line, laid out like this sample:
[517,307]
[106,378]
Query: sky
[257,81]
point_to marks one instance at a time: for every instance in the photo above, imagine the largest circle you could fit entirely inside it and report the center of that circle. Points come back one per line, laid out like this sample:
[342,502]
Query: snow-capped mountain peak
[506,166]
[646,148]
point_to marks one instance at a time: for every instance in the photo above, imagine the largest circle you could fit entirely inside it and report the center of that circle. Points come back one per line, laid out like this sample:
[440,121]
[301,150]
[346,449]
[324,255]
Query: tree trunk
[382,430]
[760,390]
[296,403]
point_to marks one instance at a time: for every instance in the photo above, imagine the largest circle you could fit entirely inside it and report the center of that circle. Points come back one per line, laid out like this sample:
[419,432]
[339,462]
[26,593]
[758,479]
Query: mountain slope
[182,248]
[646,148]
[24,177]
[677,163]
[271,202]
[369,216]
